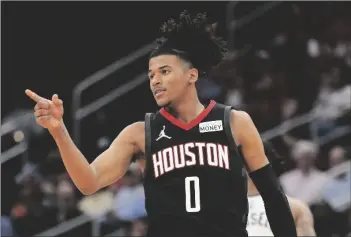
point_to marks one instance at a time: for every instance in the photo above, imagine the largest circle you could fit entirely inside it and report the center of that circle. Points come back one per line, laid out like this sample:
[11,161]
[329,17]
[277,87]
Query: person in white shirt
[257,222]
[306,181]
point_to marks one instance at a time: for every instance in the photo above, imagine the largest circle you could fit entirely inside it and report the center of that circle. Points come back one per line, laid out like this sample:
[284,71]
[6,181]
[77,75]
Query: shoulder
[235,115]
[238,117]
[241,124]
[134,132]
[135,128]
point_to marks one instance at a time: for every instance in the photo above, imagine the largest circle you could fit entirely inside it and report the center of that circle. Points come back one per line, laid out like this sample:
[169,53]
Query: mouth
[159,91]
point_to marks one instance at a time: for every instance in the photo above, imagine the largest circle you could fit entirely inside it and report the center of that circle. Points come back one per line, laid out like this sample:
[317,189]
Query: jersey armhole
[148,118]
[228,132]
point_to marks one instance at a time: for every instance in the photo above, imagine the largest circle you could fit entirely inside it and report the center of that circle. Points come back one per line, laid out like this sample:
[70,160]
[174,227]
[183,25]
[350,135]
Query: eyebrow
[162,67]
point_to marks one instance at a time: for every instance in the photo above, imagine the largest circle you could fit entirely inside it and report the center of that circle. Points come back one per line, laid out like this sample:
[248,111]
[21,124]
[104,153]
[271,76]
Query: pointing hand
[48,113]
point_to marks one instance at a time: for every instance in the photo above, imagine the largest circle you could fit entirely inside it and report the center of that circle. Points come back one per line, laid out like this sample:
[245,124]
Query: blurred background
[288,66]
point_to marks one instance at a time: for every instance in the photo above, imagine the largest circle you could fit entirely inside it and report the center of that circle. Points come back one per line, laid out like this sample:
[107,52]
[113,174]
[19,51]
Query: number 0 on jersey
[188,194]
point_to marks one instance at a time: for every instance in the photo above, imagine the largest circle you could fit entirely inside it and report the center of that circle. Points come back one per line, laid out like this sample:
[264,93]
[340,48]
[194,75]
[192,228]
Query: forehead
[162,60]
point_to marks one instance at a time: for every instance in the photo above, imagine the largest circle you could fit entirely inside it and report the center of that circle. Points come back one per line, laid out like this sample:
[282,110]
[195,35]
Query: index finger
[33,95]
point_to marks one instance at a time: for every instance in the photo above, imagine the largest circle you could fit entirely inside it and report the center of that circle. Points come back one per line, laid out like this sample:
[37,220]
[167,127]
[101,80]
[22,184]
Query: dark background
[50,46]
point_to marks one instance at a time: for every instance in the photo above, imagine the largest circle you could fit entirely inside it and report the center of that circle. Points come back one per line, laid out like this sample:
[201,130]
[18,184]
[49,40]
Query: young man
[257,223]
[191,160]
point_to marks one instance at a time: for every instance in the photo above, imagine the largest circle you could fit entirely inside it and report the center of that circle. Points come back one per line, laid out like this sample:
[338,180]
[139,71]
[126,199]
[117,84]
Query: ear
[194,75]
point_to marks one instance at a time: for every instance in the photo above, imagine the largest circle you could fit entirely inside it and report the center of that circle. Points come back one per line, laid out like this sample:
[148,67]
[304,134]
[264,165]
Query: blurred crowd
[298,64]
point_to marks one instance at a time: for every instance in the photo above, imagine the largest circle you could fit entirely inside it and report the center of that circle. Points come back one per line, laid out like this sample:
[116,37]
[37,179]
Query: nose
[156,80]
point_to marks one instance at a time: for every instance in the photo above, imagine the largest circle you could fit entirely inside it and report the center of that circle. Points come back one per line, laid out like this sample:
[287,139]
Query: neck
[305,170]
[187,109]
[251,189]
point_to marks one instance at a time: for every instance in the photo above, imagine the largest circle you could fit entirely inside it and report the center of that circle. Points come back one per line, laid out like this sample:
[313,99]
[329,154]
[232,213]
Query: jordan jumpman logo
[163,134]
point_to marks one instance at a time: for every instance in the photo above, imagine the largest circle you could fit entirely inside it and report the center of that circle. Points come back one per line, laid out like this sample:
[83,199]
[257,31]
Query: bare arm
[276,204]
[246,135]
[107,168]
[303,218]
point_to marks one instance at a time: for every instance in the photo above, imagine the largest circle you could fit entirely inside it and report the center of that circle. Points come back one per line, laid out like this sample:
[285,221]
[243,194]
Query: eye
[151,76]
[165,71]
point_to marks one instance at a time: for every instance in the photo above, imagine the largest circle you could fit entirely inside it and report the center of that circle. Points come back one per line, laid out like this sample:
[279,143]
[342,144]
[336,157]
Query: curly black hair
[190,39]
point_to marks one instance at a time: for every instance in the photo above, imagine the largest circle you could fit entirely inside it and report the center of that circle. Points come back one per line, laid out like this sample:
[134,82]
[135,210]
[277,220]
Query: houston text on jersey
[190,154]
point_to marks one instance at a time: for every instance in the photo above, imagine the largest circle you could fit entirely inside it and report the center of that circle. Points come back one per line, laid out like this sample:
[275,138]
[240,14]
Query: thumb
[55,99]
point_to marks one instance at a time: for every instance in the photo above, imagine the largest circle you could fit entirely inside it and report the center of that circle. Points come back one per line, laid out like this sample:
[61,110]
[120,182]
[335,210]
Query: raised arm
[303,217]
[277,207]
[108,167]
[113,163]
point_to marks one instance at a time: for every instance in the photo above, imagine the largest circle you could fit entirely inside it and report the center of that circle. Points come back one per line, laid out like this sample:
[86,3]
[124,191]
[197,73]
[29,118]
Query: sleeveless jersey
[194,179]
[257,222]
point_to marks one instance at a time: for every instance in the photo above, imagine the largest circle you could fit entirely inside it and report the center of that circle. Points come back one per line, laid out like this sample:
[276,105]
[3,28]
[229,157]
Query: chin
[162,102]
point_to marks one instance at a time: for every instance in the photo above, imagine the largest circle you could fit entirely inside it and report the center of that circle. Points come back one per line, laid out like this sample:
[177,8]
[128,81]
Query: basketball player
[257,223]
[191,160]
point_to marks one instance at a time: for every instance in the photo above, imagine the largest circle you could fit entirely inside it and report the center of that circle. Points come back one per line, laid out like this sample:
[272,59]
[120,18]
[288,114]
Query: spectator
[273,78]
[337,155]
[336,192]
[97,205]
[6,226]
[66,201]
[305,181]
[48,189]
[129,202]
[333,101]
[138,228]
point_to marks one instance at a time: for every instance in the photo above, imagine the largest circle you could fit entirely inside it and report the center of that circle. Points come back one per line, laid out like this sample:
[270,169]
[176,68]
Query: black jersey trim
[148,141]
[228,131]
[227,128]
